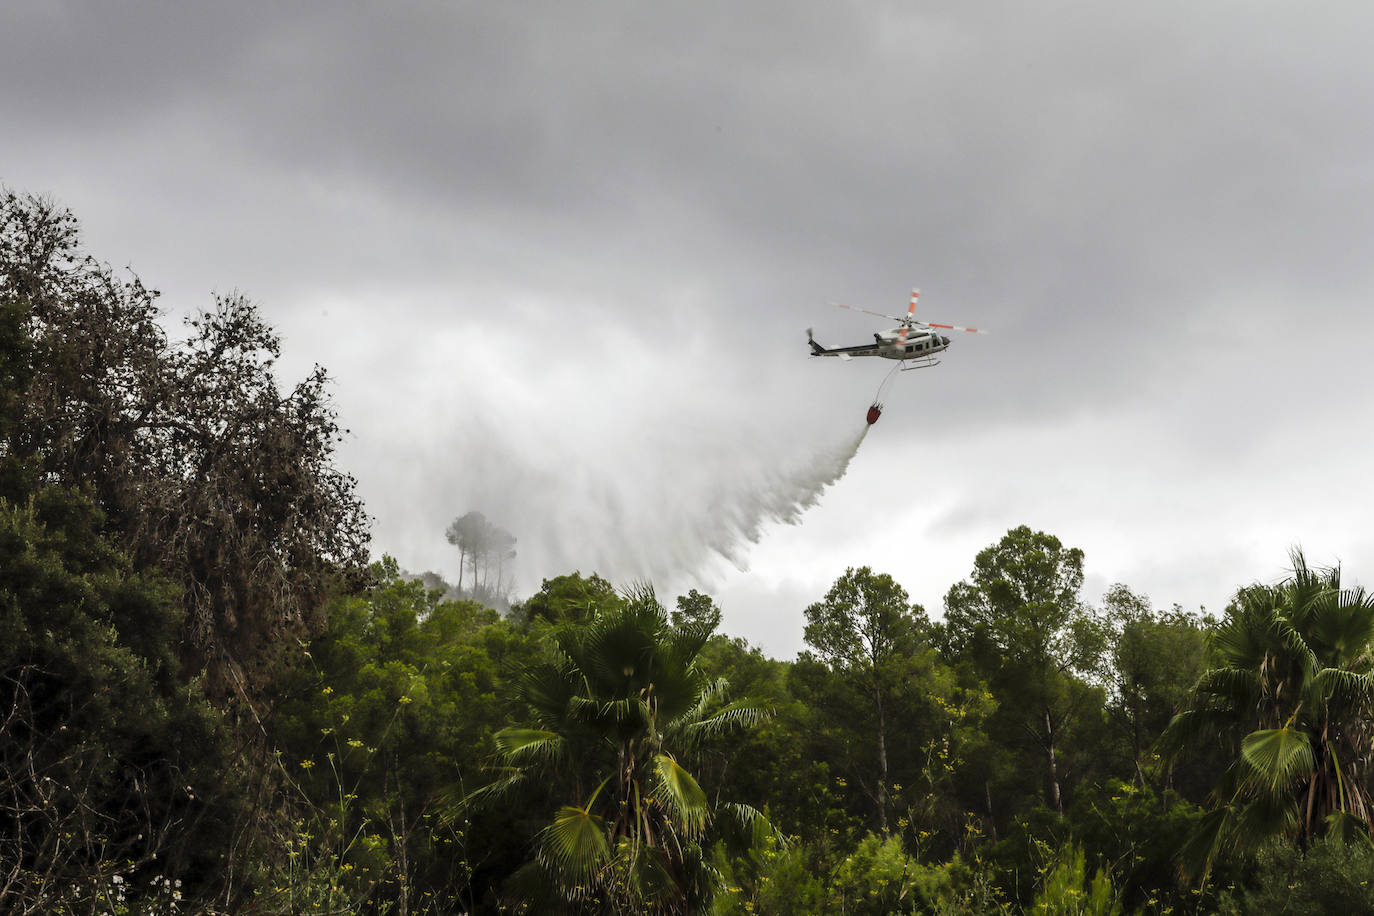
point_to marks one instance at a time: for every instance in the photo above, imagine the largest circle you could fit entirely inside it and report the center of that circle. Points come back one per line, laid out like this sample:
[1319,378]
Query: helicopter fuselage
[889,345]
[914,342]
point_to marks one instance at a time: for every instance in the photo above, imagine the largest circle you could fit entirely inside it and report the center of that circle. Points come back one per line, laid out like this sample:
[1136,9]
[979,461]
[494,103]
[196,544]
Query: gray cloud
[553,251]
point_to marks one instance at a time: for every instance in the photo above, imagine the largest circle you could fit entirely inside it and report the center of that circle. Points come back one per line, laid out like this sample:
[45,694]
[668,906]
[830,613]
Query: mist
[668,463]
[670,521]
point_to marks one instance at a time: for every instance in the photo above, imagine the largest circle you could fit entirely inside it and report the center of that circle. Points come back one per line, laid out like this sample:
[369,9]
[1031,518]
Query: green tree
[392,704]
[1289,693]
[863,626]
[1019,623]
[616,713]
[203,467]
[696,608]
[16,370]
[759,763]
[487,550]
[571,598]
[1156,658]
[112,773]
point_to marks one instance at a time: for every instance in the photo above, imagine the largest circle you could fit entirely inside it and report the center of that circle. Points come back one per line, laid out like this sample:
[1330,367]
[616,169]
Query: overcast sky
[560,258]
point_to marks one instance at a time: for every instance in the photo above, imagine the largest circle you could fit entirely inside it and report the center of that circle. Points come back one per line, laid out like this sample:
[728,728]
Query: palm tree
[617,711]
[1290,692]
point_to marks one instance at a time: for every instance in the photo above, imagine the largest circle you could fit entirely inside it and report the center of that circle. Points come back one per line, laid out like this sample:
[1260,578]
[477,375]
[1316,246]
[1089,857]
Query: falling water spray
[783,495]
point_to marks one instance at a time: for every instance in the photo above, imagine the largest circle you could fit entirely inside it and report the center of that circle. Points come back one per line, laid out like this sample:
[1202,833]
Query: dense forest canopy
[212,700]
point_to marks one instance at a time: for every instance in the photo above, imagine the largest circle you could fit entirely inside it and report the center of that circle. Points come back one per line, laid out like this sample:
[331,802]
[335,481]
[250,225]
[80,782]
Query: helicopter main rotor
[910,321]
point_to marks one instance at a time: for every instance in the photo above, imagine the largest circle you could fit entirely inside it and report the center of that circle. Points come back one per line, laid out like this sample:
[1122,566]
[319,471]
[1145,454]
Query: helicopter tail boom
[819,350]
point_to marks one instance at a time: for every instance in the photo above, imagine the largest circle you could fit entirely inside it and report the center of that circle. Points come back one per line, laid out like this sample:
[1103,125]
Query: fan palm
[1290,691]
[616,712]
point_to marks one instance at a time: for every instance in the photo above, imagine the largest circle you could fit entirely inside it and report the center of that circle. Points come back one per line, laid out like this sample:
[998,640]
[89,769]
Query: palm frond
[677,687]
[739,714]
[574,847]
[530,745]
[1277,757]
[649,876]
[625,715]
[548,687]
[676,790]
[1198,725]
[1293,666]
[1265,815]
[532,889]
[713,691]
[1346,689]
[625,686]
[509,780]
[1346,828]
[710,693]
[1234,686]
[1296,647]
[1304,590]
[1244,639]
[699,879]
[686,641]
[744,829]
[643,610]
[1342,625]
[640,594]
[1206,841]
[617,658]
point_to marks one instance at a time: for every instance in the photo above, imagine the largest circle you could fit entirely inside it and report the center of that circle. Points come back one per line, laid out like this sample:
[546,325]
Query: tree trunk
[1056,802]
[1136,743]
[882,764]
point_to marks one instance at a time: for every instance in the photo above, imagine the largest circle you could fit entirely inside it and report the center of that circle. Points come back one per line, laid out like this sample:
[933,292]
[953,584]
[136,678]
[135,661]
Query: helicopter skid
[923,363]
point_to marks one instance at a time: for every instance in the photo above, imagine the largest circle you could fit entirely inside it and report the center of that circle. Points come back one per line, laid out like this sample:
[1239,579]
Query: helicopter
[914,342]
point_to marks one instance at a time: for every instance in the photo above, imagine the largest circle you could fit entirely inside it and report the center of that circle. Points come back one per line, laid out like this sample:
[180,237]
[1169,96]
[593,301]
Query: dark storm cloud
[531,220]
[1063,162]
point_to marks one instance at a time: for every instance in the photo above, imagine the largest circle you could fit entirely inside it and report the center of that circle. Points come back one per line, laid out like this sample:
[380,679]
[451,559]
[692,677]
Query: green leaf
[521,745]
[453,805]
[1237,686]
[574,846]
[1348,829]
[676,790]
[549,688]
[1343,687]
[1207,839]
[744,829]
[739,714]
[649,873]
[1277,756]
